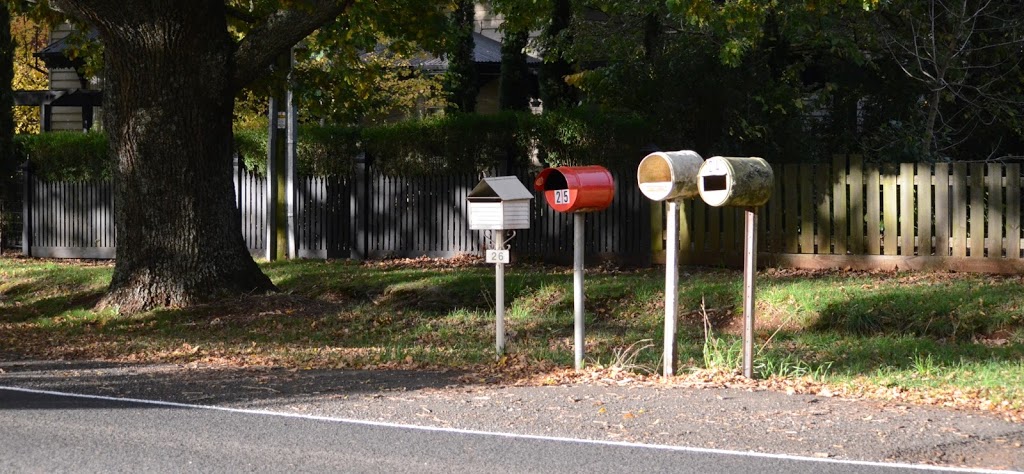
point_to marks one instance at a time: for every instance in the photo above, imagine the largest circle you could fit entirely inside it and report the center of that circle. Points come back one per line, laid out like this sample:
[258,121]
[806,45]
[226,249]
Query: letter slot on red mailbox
[576,188]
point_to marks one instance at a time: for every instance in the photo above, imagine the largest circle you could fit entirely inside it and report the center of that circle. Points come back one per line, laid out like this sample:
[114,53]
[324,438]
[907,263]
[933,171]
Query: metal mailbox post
[498,204]
[670,176]
[746,183]
[577,190]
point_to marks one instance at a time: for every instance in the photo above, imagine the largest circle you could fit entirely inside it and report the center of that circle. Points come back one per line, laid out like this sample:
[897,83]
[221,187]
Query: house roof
[54,53]
[499,188]
[73,98]
[485,51]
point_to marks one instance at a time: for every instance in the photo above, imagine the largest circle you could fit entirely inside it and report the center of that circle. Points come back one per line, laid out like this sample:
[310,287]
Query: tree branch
[282,30]
[242,15]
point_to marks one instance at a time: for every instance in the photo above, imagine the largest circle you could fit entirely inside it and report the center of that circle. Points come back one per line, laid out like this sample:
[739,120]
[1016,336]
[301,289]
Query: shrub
[251,145]
[451,143]
[454,143]
[587,137]
[66,156]
[320,151]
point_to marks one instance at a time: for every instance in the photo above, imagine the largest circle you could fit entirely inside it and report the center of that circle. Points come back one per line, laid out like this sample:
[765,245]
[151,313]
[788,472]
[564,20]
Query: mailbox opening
[555,180]
[655,179]
[717,182]
[669,175]
[656,171]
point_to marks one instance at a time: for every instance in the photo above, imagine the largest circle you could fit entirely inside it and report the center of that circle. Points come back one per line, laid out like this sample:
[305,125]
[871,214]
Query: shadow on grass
[956,312]
[400,311]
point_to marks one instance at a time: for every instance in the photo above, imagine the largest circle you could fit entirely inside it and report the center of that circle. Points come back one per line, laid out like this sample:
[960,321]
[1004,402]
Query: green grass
[944,333]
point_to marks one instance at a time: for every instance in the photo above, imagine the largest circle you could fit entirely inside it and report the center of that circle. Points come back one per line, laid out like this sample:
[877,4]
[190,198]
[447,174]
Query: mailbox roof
[499,188]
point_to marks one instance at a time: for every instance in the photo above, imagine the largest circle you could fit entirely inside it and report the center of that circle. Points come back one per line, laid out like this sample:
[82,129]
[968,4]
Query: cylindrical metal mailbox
[669,175]
[576,188]
[737,182]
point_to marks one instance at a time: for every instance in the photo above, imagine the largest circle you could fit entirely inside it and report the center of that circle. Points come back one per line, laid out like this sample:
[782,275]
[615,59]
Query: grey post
[289,166]
[749,269]
[671,287]
[499,293]
[271,231]
[577,286]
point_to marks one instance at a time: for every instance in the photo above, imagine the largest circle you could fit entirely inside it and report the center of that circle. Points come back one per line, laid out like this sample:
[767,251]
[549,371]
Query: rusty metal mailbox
[576,188]
[746,183]
[669,175]
[735,182]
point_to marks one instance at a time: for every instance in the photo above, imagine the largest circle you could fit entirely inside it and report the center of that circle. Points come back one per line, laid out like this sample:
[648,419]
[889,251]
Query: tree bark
[555,93]
[169,96]
[7,165]
[513,85]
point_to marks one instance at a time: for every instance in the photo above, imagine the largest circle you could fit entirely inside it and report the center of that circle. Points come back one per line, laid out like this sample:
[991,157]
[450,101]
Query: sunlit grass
[943,333]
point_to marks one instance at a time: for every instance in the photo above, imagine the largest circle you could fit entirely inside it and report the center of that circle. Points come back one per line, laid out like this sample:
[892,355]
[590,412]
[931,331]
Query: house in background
[487,59]
[73,101]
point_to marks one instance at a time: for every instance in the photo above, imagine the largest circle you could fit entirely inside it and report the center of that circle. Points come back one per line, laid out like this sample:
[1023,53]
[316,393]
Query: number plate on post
[497,256]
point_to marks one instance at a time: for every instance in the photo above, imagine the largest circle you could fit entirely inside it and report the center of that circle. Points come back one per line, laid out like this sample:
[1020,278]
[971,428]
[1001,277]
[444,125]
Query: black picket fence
[11,209]
[365,215]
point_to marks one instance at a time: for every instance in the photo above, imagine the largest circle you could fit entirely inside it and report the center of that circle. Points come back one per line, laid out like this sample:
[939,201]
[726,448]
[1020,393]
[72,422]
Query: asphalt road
[52,432]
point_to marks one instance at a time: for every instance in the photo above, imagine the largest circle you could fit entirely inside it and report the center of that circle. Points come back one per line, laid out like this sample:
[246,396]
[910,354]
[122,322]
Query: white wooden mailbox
[499,203]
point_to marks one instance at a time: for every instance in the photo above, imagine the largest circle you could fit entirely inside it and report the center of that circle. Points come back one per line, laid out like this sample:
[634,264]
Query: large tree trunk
[167,111]
[7,165]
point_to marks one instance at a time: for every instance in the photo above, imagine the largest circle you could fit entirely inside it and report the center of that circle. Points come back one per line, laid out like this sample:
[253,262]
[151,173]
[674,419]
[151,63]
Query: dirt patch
[257,307]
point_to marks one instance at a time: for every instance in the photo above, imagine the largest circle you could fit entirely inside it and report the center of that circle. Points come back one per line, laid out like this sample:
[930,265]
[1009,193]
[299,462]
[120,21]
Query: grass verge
[947,339]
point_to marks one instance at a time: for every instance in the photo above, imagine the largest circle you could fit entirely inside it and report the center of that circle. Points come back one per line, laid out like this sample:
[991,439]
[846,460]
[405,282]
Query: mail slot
[576,188]
[738,182]
[669,175]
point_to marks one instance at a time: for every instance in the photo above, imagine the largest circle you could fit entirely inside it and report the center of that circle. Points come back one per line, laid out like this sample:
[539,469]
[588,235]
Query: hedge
[66,156]
[437,145]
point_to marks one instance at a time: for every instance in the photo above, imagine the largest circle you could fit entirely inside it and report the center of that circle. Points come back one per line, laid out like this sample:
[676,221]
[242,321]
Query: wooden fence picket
[906,209]
[925,200]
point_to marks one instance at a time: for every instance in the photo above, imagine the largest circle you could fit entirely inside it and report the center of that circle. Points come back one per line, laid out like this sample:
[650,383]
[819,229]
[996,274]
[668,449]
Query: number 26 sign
[497,256]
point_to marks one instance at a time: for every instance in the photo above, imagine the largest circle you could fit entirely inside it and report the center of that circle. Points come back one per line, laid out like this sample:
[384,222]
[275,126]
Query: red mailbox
[576,188]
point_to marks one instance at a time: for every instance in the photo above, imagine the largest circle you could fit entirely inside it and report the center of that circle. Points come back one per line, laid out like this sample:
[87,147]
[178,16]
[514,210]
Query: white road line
[923,467]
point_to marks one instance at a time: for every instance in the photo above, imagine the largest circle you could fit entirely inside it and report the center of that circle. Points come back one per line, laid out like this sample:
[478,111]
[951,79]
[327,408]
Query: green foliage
[455,143]
[514,93]
[327,150]
[555,91]
[320,151]
[460,77]
[375,88]
[251,144]
[965,61]
[67,156]
[587,136]
[802,80]
[6,97]
[449,143]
